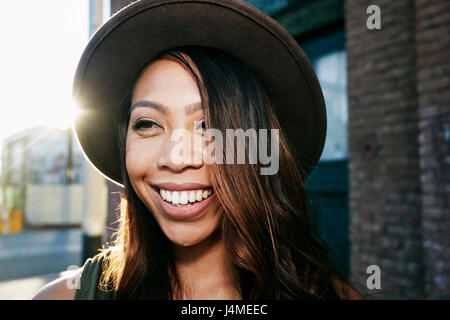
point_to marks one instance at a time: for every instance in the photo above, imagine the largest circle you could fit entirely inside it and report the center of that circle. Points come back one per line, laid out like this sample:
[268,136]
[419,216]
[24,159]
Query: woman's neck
[205,272]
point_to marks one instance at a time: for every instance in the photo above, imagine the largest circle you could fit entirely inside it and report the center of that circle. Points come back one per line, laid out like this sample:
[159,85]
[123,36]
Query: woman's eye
[144,124]
[201,125]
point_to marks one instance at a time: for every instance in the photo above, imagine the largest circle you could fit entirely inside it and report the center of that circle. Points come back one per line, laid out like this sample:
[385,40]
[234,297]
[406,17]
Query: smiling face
[174,186]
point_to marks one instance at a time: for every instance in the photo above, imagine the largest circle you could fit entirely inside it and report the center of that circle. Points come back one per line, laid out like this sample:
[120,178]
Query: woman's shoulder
[63,288]
[80,284]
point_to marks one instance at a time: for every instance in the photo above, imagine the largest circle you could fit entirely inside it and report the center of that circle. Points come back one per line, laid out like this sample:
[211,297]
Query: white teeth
[175,198]
[183,197]
[192,196]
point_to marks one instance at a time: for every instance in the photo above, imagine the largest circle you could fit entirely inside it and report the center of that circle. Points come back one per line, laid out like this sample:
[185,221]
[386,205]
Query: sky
[41,43]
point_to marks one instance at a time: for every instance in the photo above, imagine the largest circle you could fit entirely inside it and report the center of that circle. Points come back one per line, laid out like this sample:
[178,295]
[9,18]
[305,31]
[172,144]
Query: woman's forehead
[167,82]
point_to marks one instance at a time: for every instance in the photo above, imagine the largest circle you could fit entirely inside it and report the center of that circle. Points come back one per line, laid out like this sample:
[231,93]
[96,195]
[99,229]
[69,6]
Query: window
[328,58]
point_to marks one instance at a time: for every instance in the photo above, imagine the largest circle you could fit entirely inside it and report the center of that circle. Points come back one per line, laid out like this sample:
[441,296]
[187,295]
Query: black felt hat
[122,47]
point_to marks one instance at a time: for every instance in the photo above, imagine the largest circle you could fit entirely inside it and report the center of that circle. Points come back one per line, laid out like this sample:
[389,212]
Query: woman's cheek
[138,158]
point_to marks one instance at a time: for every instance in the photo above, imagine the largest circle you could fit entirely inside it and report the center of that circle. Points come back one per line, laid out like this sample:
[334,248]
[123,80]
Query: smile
[183,201]
[185,197]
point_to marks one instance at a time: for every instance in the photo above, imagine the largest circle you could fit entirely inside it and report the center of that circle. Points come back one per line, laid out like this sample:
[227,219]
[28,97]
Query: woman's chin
[189,233]
[185,240]
[187,236]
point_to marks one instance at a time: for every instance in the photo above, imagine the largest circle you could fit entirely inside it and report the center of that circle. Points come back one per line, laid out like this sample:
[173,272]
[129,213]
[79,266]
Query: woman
[192,228]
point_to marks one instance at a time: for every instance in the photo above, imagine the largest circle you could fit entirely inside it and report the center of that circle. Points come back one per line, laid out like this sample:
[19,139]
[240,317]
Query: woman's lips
[186,211]
[181,186]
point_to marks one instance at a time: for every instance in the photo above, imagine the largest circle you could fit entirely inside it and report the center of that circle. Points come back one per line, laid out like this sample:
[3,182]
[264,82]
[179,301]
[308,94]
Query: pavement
[30,259]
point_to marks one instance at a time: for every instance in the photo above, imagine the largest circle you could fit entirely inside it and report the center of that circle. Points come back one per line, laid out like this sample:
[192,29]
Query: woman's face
[162,159]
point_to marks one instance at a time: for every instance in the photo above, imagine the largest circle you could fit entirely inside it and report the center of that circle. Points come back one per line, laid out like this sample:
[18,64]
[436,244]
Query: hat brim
[124,45]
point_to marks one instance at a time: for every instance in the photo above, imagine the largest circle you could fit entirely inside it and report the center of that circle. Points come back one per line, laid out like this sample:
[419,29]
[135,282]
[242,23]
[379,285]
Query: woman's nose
[182,150]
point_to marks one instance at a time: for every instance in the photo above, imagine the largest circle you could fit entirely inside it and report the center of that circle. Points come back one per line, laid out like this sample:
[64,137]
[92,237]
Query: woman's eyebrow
[192,108]
[188,109]
[149,104]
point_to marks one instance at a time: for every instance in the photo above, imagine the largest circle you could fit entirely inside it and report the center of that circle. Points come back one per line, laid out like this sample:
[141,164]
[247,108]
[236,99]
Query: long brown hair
[265,226]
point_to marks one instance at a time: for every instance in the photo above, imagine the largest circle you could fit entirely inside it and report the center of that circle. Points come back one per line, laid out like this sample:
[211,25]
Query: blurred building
[39,155]
[35,176]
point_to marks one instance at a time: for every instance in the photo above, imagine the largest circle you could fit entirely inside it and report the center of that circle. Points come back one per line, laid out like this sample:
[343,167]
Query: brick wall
[399,132]
[433,87]
[385,202]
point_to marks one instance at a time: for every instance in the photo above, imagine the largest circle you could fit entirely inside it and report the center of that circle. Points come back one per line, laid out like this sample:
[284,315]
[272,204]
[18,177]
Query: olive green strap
[90,279]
